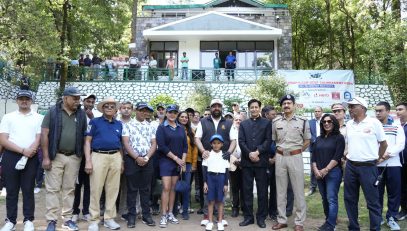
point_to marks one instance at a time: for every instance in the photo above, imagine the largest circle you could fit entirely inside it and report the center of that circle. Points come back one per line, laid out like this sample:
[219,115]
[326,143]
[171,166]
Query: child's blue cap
[216,137]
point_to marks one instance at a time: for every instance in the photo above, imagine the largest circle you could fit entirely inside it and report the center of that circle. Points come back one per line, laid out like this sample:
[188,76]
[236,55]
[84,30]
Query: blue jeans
[185,73]
[365,177]
[329,188]
[185,196]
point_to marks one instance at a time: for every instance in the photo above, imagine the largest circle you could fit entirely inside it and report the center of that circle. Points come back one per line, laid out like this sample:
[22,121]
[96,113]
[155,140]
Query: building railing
[79,74]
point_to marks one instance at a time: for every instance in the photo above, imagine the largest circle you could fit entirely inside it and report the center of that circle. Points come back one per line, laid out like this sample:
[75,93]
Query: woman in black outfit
[326,159]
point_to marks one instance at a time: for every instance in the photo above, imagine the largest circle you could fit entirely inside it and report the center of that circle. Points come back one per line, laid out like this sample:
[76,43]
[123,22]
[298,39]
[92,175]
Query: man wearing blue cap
[62,140]
[140,144]
[292,136]
[20,136]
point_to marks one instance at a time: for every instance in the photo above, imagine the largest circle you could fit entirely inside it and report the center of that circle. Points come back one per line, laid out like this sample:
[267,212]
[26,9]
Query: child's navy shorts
[216,182]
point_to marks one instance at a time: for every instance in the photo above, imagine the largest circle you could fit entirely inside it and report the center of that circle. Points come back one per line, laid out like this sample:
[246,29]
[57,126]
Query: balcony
[81,74]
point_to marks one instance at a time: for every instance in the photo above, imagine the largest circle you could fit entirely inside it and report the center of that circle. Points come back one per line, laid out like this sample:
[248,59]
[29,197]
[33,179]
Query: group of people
[121,161]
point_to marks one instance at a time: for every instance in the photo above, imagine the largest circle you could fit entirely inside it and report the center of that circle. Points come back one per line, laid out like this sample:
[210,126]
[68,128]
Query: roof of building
[213,3]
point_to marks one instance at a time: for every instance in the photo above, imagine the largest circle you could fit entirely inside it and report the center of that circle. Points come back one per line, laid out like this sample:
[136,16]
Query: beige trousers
[293,167]
[61,178]
[105,175]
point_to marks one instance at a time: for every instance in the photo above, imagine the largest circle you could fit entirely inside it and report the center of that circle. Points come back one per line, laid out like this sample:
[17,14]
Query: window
[227,46]
[163,50]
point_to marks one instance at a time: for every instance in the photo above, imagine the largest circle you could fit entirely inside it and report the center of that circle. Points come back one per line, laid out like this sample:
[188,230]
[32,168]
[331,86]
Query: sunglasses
[338,110]
[326,121]
[107,106]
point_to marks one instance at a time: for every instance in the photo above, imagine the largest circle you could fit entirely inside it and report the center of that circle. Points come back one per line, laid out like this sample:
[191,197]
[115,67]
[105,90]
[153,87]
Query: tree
[162,98]
[268,89]
[201,98]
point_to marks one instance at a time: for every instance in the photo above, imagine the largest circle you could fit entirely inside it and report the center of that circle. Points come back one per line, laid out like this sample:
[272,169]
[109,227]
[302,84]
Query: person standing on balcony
[87,63]
[170,66]
[152,64]
[81,67]
[230,65]
[184,65]
[216,66]
[96,66]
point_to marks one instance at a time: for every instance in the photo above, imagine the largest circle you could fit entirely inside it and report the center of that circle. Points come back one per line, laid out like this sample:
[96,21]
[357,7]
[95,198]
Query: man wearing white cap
[366,145]
[104,162]
[209,126]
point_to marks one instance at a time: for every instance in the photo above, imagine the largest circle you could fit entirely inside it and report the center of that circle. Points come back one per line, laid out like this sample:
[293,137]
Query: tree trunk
[330,35]
[63,36]
[133,25]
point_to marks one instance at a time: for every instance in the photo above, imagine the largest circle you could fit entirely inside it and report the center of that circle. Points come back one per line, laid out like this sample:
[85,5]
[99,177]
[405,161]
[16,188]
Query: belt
[66,153]
[293,152]
[363,163]
[215,173]
[106,151]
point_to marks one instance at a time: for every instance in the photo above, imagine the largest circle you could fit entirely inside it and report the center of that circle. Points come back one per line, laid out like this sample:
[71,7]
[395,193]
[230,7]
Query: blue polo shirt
[171,139]
[230,59]
[105,135]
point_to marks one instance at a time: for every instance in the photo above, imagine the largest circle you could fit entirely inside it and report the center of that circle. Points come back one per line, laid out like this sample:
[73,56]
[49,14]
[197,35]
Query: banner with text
[320,87]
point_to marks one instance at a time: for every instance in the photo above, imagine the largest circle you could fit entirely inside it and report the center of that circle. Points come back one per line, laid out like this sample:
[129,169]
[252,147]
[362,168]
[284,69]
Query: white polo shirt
[21,128]
[216,163]
[363,139]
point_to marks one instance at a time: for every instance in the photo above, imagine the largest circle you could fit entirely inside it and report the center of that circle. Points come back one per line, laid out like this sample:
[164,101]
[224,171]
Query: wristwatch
[146,158]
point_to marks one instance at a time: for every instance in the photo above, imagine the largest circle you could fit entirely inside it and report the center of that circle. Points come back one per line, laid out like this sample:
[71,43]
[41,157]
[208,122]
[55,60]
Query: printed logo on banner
[336,95]
[315,76]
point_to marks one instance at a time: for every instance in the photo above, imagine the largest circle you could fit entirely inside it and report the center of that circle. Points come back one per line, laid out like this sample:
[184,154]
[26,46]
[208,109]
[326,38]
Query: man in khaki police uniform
[292,136]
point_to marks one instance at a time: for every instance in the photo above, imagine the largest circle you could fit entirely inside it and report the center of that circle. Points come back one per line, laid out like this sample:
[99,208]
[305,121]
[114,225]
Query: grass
[315,210]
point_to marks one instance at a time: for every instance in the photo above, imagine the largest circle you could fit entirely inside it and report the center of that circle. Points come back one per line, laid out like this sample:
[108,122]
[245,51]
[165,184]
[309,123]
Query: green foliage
[228,103]
[268,89]
[365,36]
[162,98]
[201,98]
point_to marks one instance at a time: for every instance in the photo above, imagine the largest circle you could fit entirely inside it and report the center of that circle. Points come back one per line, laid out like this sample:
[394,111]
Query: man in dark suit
[315,132]
[255,141]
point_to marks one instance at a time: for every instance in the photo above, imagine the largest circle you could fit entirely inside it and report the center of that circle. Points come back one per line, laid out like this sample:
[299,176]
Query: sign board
[320,87]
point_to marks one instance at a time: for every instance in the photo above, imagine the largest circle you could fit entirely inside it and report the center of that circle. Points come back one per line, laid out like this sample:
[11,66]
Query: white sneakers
[209,226]
[111,224]
[9,226]
[86,217]
[74,218]
[28,226]
[221,227]
[37,190]
[94,226]
[163,221]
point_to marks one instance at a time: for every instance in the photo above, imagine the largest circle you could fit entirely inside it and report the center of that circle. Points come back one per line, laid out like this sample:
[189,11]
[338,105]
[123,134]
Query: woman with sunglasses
[172,148]
[328,151]
[190,161]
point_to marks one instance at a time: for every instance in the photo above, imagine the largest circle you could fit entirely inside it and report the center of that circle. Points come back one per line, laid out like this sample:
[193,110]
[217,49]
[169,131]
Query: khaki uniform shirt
[290,134]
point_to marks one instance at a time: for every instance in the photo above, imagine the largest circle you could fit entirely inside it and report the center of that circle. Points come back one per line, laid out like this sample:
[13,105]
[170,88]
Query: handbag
[181,186]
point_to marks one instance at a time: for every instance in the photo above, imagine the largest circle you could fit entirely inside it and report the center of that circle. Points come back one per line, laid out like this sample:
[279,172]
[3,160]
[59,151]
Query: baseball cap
[229,114]
[357,101]
[72,91]
[24,93]
[172,107]
[90,96]
[216,101]
[160,105]
[190,110]
[141,105]
[338,106]
[287,97]
[216,137]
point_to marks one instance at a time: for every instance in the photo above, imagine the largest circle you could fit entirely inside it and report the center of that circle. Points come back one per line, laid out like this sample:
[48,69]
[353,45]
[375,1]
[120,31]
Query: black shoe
[235,212]
[246,222]
[402,215]
[51,226]
[131,221]
[200,212]
[125,217]
[261,224]
[148,221]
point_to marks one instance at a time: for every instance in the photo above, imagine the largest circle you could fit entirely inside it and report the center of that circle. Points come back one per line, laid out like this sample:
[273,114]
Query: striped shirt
[395,140]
